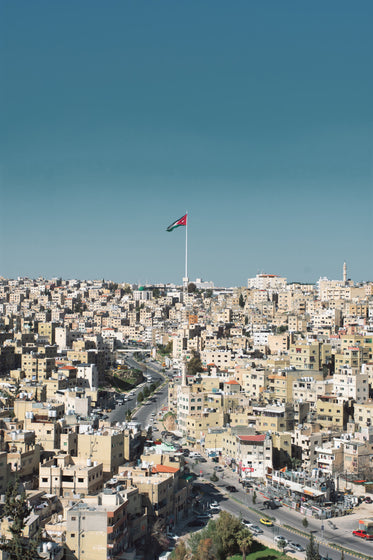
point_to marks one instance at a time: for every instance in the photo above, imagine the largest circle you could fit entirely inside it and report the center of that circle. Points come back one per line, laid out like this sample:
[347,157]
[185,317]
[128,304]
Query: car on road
[296,546]
[218,469]
[254,528]
[265,521]
[368,500]
[363,535]
[231,489]
[270,504]
[281,538]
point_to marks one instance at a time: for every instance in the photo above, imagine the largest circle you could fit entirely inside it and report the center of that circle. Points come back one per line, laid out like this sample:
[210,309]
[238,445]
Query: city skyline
[257,120]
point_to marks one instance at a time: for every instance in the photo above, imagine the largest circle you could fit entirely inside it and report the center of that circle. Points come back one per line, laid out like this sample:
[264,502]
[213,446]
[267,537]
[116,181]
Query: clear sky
[118,116]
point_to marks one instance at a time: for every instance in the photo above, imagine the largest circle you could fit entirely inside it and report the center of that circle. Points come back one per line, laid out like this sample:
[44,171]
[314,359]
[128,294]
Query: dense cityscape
[155,421]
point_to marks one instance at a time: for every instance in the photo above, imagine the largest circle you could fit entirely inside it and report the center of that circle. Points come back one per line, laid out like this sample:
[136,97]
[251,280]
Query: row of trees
[146,392]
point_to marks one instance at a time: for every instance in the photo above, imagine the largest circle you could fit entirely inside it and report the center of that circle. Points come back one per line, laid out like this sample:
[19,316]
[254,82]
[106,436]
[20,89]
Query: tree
[228,526]
[17,511]
[205,550]
[128,415]
[146,392]
[241,301]
[244,541]
[312,550]
[181,551]
[305,522]
[194,365]
[192,288]
[140,397]
[281,544]
[254,497]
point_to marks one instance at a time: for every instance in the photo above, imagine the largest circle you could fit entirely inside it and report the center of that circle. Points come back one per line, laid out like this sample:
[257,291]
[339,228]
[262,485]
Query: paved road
[238,503]
[143,415]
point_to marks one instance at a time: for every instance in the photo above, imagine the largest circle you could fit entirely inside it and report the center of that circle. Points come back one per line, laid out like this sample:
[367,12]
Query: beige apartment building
[199,424]
[107,446]
[330,413]
[358,457]
[37,366]
[309,388]
[65,478]
[253,381]
[309,355]
[97,531]
[349,383]
[273,418]
[364,414]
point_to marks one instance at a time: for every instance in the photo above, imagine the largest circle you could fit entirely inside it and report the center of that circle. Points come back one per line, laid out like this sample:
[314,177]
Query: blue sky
[118,116]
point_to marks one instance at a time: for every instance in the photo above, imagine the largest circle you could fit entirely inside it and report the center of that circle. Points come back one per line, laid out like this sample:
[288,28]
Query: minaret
[183,373]
[344,273]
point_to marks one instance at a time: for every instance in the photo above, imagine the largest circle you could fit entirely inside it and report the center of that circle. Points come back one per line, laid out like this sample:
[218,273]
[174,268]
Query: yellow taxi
[265,521]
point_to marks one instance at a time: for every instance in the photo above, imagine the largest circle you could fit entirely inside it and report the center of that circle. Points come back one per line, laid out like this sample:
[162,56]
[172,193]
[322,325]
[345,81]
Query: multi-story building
[63,477]
[97,531]
[254,455]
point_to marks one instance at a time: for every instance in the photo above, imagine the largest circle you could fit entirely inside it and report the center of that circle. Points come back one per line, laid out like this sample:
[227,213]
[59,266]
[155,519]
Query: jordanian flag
[180,222]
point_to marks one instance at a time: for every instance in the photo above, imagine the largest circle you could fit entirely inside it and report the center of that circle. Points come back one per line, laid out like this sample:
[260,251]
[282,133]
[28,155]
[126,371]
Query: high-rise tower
[344,273]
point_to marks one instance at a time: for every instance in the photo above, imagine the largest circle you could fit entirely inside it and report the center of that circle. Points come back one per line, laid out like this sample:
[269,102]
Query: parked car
[368,500]
[232,489]
[281,538]
[255,529]
[297,546]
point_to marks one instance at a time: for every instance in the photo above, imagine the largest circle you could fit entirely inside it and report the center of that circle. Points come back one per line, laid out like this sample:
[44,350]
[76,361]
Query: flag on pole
[180,222]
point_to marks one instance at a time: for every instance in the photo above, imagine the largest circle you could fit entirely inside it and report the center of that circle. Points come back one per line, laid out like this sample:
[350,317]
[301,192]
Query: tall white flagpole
[186,247]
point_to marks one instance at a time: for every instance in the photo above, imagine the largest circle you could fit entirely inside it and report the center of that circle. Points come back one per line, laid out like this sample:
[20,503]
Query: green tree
[146,392]
[205,550]
[228,526]
[128,415]
[153,387]
[192,288]
[312,550]
[194,365]
[281,544]
[17,511]
[305,522]
[244,541]
[254,497]
[140,397]
[241,301]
